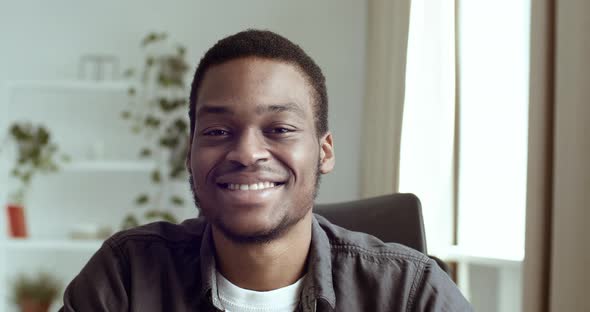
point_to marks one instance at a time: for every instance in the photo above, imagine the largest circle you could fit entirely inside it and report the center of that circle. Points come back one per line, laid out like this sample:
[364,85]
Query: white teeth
[253,187]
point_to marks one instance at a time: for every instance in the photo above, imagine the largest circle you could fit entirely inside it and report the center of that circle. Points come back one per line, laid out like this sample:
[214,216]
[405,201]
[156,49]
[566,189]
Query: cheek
[303,162]
[202,161]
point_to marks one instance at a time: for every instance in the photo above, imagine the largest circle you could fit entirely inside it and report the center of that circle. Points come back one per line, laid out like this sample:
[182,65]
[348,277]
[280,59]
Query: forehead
[247,84]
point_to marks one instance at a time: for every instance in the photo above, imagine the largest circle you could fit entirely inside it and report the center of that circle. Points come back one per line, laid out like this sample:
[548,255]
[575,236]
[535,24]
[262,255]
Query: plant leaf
[177,170]
[130,221]
[169,142]
[125,114]
[152,214]
[181,125]
[145,152]
[153,37]
[177,200]
[142,199]
[128,73]
[152,121]
[156,178]
[181,50]
[167,216]
[149,61]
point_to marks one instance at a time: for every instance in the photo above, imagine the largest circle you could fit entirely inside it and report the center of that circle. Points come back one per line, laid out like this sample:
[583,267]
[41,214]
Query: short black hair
[267,45]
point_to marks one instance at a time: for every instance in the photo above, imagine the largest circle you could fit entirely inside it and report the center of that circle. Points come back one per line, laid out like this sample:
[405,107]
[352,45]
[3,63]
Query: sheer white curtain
[385,83]
[426,166]
[409,108]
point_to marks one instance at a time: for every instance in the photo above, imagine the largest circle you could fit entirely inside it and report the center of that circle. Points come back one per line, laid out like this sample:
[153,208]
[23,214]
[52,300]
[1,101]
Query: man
[259,143]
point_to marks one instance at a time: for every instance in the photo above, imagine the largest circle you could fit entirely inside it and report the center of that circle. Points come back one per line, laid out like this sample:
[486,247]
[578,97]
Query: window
[493,121]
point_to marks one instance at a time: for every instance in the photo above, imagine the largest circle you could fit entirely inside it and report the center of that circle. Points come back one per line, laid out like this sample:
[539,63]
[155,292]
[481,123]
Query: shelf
[49,244]
[456,253]
[71,85]
[108,165]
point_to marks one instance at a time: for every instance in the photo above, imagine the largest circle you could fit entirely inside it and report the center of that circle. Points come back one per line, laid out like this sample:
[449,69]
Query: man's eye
[280,130]
[215,132]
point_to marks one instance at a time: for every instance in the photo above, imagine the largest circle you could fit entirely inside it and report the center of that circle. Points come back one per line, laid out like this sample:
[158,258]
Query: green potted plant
[157,110]
[35,294]
[35,154]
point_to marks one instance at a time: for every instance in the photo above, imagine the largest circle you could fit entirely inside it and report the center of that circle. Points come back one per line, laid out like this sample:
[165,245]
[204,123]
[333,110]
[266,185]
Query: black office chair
[395,218]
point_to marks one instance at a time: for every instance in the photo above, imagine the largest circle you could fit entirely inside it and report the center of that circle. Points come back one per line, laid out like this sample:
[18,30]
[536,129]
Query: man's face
[255,156]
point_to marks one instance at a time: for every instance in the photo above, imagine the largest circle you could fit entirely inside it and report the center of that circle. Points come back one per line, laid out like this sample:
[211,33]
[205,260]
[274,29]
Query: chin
[241,231]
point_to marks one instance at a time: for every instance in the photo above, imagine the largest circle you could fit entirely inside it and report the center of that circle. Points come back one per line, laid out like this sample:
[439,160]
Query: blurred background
[477,107]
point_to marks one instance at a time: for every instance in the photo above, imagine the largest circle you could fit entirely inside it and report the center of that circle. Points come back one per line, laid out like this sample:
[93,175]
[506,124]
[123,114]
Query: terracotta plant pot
[34,306]
[16,220]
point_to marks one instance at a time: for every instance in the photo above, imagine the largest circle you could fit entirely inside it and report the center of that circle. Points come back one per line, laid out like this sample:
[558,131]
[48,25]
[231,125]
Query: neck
[265,266]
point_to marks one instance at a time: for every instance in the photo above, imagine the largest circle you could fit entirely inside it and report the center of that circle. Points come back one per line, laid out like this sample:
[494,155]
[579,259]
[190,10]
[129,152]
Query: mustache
[233,168]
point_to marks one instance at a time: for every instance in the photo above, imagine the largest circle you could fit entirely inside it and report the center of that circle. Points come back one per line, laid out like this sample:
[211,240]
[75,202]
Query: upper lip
[242,178]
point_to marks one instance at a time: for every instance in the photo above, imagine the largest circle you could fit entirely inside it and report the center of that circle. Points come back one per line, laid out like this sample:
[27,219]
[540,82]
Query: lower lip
[250,196]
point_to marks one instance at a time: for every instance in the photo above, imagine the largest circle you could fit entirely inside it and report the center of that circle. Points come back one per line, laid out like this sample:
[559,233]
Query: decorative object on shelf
[35,154]
[35,294]
[16,220]
[158,111]
[102,66]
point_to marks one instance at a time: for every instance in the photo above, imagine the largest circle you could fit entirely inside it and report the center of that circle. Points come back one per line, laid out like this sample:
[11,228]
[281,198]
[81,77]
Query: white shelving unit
[69,85]
[459,254]
[109,166]
[95,189]
[16,244]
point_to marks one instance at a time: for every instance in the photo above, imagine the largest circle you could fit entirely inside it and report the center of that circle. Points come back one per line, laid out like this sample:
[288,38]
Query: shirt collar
[319,268]
[317,285]
[208,276]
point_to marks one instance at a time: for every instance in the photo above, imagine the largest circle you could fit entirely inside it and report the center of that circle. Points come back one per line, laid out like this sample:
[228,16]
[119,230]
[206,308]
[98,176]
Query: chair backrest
[395,218]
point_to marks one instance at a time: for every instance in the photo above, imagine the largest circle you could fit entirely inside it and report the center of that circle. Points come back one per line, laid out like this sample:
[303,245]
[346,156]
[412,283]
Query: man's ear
[187,162]
[327,157]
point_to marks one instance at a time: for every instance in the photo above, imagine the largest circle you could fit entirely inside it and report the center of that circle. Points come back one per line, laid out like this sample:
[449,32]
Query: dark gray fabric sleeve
[101,285]
[435,291]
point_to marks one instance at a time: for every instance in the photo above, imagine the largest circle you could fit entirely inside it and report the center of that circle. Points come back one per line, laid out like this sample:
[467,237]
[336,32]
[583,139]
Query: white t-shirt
[236,299]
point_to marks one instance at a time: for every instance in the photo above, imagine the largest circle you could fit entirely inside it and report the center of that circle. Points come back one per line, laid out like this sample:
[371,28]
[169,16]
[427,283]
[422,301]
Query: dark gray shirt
[168,267]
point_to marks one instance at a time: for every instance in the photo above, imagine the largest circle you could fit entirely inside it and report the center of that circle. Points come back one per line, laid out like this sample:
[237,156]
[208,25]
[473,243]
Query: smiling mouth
[250,187]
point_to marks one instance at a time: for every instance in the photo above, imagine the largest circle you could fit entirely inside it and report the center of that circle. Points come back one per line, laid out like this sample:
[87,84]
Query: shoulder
[345,242]
[373,258]
[161,233]
[188,230]
[403,277]
[117,276]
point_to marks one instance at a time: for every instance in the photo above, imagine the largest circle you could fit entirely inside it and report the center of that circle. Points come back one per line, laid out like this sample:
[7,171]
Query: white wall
[45,39]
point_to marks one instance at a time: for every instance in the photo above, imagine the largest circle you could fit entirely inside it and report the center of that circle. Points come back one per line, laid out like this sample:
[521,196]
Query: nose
[249,149]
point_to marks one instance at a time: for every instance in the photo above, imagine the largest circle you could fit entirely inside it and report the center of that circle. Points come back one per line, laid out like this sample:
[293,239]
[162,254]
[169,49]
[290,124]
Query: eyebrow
[214,110]
[279,108]
[260,109]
